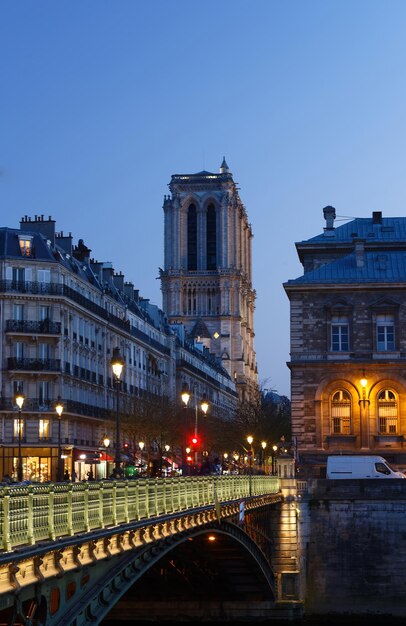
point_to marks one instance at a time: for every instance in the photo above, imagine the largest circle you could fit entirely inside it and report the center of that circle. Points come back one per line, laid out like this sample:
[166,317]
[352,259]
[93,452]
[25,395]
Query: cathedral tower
[207,277]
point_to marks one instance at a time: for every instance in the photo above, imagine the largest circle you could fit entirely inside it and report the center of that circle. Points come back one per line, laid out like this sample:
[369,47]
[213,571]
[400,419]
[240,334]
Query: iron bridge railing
[33,513]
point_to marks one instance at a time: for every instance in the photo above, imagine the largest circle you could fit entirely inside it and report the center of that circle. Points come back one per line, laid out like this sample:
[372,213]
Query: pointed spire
[224,169]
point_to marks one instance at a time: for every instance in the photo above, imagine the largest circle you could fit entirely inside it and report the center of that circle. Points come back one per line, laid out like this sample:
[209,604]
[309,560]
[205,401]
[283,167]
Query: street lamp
[117,365]
[141,445]
[263,445]
[106,443]
[19,399]
[250,439]
[185,395]
[59,411]
[274,451]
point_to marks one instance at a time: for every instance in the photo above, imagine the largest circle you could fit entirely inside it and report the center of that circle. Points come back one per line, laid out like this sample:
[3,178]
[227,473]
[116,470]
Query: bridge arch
[115,578]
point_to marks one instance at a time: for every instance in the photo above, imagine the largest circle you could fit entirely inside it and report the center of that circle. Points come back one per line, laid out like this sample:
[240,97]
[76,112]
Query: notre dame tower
[207,277]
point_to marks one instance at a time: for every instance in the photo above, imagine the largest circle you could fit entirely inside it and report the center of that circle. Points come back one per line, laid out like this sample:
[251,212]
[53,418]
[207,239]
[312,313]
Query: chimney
[118,280]
[81,252]
[329,213]
[129,290]
[64,241]
[39,225]
[359,252]
[377,217]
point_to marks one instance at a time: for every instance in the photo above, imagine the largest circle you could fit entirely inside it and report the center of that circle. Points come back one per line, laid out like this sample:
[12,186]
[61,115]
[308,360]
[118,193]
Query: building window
[387,412]
[44,276]
[18,312]
[211,242]
[341,412]
[25,245]
[18,423]
[43,431]
[385,333]
[192,238]
[339,334]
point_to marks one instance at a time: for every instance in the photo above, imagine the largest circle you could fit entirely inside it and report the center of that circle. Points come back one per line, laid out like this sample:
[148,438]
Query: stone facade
[348,342]
[207,277]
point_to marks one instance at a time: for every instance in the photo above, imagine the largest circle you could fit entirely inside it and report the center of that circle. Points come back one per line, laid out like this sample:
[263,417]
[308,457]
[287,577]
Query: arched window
[341,412]
[192,238]
[211,241]
[387,412]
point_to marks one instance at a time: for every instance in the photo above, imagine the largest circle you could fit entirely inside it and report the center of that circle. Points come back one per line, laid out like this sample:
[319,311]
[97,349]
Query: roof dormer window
[25,245]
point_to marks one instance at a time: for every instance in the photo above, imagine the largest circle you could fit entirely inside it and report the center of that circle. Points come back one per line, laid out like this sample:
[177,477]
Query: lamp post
[106,443]
[263,446]
[274,450]
[141,445]
[117,365]
[19,399]
[59,411]
[364,410]
[185,395]
[250,439]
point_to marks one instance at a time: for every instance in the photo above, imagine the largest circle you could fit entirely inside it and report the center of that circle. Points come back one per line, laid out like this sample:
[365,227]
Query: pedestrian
[90,475]
[66,475]
[74,476]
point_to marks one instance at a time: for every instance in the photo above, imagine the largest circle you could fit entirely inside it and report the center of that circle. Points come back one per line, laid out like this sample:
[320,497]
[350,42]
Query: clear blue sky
[103,100]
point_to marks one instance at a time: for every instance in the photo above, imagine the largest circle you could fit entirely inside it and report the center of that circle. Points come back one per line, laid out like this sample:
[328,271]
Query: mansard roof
[387,229]
[384,266]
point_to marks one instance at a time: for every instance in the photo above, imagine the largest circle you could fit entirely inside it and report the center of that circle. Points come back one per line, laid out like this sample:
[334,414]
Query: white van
[351,466]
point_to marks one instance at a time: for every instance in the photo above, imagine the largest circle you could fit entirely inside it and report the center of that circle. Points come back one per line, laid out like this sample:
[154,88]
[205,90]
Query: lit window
[385,333]
[25,246]
[43,429]
[387,412]
[18,422]
[341,412]
[339,334]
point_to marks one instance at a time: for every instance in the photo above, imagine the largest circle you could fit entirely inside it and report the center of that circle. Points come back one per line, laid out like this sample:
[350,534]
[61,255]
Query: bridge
[75,553]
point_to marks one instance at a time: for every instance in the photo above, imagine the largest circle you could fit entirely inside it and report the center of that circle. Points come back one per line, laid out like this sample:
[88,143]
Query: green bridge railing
[32,513]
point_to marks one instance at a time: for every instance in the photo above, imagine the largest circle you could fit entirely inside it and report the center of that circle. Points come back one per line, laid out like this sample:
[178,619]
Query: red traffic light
[195,440]
[126,445]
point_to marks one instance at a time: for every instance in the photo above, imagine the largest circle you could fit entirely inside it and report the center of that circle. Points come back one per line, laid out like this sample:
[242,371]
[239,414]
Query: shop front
[88,464]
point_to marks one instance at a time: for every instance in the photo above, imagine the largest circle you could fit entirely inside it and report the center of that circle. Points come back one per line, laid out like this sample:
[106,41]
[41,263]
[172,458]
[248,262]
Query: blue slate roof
[391,229]
[385,266]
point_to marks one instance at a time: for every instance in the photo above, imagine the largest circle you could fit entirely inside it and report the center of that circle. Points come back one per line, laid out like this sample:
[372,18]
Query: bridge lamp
[263,446]
[106,443]
[141,445]
[19,400]
[117,365]
[59,410]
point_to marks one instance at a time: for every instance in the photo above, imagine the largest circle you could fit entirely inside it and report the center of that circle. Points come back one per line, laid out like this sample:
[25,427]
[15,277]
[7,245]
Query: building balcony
[35,405]
[33,365]
[24,327]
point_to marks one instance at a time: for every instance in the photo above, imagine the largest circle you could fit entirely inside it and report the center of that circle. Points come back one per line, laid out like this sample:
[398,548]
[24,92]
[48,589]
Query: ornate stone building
[62,316]
[207,277]
[348,341]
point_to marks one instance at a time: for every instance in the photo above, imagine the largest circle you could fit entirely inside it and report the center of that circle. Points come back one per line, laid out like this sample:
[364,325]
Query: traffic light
[194,440]
[126,445]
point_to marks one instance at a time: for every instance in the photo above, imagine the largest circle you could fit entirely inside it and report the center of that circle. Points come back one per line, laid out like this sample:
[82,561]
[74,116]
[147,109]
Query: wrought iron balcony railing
[32,365]
[45,327]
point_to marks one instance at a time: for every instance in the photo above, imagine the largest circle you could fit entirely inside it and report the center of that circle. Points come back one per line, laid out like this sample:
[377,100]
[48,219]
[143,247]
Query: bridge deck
[34,513]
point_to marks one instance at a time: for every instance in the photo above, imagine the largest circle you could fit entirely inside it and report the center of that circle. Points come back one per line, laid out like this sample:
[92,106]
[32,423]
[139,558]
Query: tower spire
[224,169]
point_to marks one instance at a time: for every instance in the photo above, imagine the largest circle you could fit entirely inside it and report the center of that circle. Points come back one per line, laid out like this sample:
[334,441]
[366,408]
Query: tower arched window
[192,238]
[387,412]
[211,240]
[341,412]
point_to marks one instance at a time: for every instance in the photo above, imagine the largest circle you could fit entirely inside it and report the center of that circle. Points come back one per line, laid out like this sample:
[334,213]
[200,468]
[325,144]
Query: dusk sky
[103,100]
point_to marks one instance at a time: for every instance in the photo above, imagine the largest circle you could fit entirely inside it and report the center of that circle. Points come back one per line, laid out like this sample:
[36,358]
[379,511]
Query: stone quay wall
[352,537]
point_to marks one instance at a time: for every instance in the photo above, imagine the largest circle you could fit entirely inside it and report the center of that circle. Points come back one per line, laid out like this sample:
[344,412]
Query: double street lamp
[204,406]
[117,365]
[59,411]
[19,399]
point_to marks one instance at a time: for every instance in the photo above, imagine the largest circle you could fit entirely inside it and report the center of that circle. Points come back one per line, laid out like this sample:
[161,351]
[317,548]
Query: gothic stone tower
[207,277]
